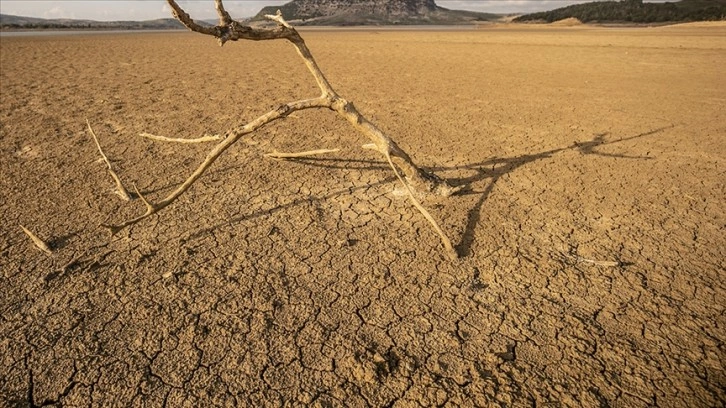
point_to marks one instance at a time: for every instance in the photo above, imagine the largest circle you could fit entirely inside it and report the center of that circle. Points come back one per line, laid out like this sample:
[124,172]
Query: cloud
[57,12]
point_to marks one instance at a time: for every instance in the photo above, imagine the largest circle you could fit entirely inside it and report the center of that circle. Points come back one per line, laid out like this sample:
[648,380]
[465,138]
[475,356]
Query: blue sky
[104,10]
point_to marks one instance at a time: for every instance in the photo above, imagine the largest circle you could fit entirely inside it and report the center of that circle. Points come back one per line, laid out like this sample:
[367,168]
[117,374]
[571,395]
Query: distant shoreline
[91,31]
[72,31]
[5,33]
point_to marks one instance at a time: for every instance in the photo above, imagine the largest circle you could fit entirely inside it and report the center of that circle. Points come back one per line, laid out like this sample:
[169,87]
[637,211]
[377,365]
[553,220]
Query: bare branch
[224,17]
[185,19]
[37,241]
[276,18]
[386,145]
[120,189]
[212,156]
[203,139]
[450,251]
[280,155]
[149,207]
[609,264]
[231,30]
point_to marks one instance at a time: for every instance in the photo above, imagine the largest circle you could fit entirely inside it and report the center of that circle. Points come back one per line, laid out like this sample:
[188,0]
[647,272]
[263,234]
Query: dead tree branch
[203,139]
[120,189]
[232,137]
[281,155]
[231,30]
[234,31]
[39,243]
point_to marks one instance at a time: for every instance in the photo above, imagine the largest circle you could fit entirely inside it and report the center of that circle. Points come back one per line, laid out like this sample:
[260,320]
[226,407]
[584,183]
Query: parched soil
[592,236]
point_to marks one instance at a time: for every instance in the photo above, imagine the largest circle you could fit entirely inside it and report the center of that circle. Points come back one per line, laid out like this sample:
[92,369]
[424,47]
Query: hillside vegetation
[371,12]
[635,11]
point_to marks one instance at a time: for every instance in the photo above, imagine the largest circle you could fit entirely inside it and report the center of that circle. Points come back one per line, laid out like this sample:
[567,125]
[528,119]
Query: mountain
[634,11]
[371,12]
[18,22]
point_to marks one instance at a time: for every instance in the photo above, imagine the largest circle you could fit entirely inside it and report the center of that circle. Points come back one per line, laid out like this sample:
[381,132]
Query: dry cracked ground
[591,236]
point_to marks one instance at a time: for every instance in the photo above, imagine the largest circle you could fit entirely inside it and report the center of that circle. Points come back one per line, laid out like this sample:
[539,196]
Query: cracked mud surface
[315,282]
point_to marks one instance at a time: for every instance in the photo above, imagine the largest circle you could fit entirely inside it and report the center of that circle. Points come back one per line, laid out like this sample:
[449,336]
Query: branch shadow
[293,203]
[337,163]
[495,168]
[492,169]
[328,163]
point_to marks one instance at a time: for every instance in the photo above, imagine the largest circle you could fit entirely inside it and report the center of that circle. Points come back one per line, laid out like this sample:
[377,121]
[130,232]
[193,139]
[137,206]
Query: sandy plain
[315,282]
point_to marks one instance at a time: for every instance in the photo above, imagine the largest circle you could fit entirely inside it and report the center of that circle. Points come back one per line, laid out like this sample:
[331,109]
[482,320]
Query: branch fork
[231,30]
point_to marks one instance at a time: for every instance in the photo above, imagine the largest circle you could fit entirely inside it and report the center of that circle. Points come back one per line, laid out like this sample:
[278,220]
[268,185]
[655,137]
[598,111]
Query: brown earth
[592,237]
[567,22]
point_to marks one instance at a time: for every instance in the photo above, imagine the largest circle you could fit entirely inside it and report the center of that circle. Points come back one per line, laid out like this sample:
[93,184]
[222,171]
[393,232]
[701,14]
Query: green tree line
[635,11]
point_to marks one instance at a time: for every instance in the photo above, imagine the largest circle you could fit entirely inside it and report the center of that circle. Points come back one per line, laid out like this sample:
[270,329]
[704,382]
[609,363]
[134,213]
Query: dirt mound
[567,22]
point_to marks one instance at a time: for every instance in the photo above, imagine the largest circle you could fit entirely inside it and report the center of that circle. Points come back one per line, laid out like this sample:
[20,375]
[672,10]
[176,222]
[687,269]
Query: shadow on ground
[492,169]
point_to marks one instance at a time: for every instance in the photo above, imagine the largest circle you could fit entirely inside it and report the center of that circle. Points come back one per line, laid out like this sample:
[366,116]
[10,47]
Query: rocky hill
[371,12]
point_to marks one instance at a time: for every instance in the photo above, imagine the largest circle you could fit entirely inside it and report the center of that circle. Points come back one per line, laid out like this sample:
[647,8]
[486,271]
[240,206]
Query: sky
[109,10]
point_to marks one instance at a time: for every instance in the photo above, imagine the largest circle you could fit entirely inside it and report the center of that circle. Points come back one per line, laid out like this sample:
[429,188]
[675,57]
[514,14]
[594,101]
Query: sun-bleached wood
[120,189]
[203,139]
[39,243]
[296,155]
[231,30]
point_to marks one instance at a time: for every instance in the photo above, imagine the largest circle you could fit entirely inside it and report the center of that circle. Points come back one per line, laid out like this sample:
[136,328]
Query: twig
[610,264]
[120,189]
[205,138]
[224,17]
[277,17]
[280,155]
[37,241]
[577,259]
